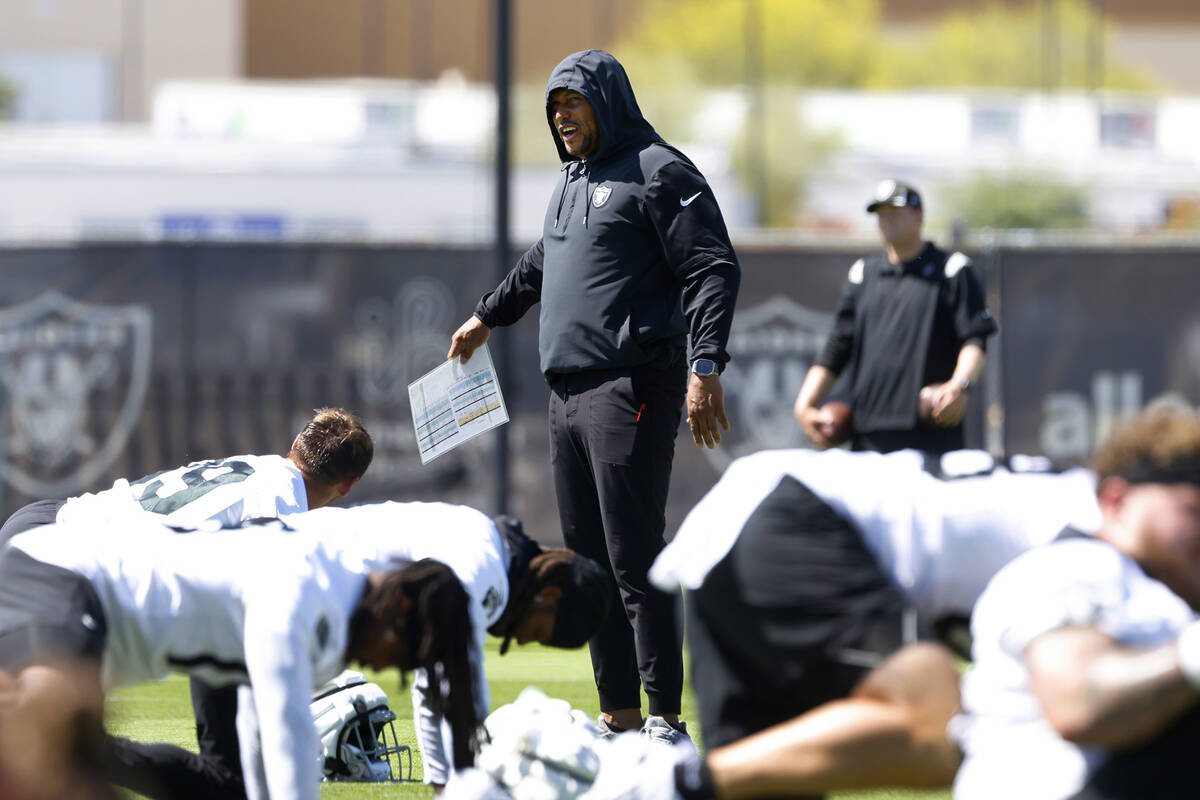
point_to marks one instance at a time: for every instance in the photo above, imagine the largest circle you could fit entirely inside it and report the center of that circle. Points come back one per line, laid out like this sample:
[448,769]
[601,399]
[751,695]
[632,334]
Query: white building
[384,160]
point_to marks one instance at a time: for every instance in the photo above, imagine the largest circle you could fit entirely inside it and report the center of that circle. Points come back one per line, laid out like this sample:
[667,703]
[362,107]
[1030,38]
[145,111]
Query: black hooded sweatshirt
[634,253]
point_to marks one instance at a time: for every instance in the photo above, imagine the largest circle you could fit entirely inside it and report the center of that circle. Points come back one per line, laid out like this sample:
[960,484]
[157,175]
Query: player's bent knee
[917,675]
[922,681]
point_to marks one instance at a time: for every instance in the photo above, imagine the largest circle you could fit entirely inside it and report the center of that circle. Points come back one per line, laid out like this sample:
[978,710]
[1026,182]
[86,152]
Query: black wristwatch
[705,367]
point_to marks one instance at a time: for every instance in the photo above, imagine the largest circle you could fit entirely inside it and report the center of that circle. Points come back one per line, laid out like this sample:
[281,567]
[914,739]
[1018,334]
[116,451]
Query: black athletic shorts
[47,614]
[1165,768]
[793,617]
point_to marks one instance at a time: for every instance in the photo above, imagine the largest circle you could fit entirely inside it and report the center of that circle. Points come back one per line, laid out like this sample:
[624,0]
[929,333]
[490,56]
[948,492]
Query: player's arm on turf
[254,771]
[433,734]
[691,231]
[1095,691]
[1058,611]
[279,648]
[504,305]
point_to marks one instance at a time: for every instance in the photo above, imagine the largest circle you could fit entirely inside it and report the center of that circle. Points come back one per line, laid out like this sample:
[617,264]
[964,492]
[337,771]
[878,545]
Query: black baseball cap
[894,193]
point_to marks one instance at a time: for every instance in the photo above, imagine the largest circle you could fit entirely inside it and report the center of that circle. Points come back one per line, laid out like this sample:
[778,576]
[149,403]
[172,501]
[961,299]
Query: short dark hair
[333,446]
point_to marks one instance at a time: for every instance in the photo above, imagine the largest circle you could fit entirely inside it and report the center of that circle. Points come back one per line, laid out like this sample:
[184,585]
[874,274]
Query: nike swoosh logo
[688,202]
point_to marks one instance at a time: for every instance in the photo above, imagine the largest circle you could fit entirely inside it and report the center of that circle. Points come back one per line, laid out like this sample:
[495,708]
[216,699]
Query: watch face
[704,367]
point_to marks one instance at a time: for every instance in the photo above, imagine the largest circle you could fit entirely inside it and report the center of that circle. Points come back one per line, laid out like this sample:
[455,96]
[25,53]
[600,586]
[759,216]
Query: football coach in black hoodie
[634,256]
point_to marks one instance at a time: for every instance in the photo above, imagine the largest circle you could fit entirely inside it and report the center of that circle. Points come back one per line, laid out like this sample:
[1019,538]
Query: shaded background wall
[119,360]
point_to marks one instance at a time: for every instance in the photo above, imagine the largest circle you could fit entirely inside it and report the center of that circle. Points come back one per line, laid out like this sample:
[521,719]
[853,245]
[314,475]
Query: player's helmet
[358,740]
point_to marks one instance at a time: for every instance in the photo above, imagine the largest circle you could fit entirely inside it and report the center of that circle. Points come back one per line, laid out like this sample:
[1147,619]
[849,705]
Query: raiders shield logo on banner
[72,380]
[600,196]
[395,340]
[774,344]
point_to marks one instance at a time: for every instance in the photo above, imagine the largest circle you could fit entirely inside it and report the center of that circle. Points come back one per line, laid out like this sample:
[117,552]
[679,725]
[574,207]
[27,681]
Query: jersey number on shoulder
[169,491]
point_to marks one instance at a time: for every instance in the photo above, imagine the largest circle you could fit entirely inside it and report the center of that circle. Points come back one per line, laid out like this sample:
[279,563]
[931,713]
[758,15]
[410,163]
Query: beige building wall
[1161,37]
[61,23]
[189,39]
[1168,52]
[421,39]
[137,42]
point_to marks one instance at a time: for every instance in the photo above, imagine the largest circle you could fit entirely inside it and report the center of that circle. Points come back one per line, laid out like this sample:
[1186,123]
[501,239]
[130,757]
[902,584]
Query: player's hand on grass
[468,338]
[706,409]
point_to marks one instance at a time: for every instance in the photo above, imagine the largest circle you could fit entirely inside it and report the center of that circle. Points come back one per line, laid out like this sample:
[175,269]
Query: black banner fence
[118,360]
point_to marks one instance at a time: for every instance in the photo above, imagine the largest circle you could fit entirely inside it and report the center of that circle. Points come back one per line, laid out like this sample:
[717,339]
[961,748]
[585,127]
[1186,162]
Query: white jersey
[374,537]
[227,491]
[252,606]
[1010,749]
[939,537]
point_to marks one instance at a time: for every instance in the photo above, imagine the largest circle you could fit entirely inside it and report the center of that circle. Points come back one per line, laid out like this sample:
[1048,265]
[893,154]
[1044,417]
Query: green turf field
[162,712]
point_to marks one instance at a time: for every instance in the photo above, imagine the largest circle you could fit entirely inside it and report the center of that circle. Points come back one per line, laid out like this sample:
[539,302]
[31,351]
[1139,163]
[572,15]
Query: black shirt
[902,327]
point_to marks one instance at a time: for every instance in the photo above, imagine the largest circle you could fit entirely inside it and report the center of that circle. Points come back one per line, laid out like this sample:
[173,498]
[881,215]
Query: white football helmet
[539,748]
[358,739]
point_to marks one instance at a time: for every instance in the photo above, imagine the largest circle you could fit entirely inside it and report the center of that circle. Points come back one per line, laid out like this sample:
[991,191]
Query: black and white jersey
[255,606]
[224,490]
[941,528]
[1010,749]
[374,537]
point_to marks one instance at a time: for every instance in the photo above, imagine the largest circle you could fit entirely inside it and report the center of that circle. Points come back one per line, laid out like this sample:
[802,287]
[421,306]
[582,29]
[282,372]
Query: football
[951,416]
[838,423]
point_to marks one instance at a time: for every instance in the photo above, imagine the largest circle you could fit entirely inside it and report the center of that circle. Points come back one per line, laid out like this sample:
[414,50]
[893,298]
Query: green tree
[8,98]
[1017,201]
[841,43]
[774,156]
[682,47]
[1005,46]
[826,43]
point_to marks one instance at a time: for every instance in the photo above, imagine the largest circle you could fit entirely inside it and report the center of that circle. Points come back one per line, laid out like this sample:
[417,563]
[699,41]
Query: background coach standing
[909,317]
[634,255]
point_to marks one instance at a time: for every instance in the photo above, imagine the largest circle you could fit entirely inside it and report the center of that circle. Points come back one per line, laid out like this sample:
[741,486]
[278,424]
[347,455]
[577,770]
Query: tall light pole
[501,246]
[756,145]
[1095,64]
[1050,46]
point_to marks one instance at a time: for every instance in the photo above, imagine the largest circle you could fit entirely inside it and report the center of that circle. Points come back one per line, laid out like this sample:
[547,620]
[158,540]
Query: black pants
[793,617]
[167,772]
[36,514]
[612,441]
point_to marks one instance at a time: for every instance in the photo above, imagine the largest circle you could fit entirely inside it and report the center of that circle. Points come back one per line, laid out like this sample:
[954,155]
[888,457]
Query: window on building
[61,85]
[994,125]
[1128,129]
